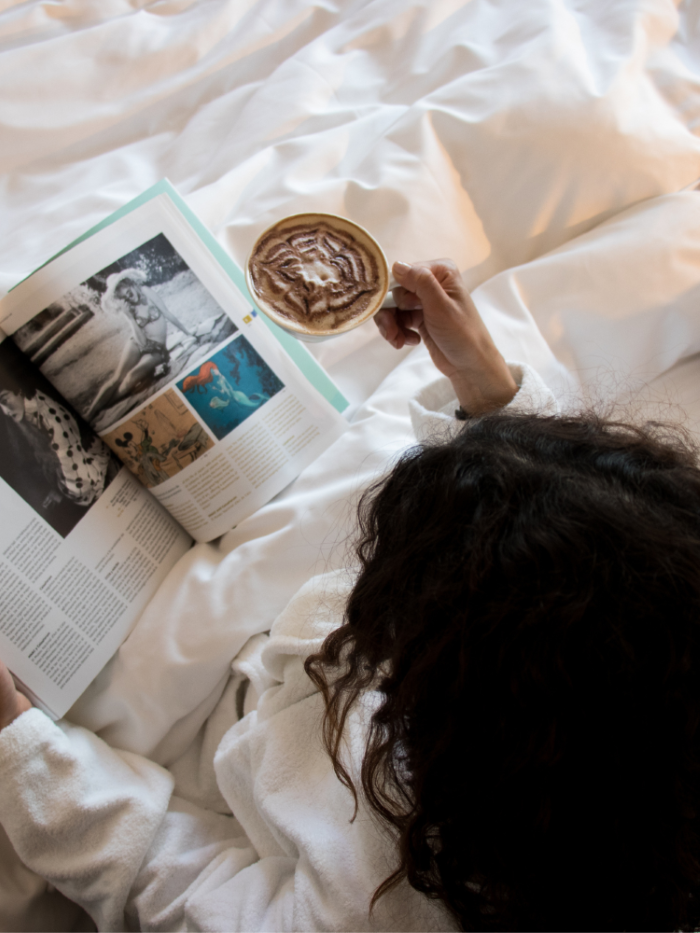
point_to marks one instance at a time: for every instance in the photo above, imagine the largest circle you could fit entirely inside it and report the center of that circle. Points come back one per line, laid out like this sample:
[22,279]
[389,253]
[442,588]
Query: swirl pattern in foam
[319,273]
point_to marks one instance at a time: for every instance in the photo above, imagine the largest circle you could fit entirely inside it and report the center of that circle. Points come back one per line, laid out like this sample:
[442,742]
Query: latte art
[317,274]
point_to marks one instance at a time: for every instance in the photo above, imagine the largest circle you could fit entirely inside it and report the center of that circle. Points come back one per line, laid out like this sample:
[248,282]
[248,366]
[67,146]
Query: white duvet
[542,145]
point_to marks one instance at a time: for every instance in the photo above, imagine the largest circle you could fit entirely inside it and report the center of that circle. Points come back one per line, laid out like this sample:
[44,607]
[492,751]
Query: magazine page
[83,546]
[151,339]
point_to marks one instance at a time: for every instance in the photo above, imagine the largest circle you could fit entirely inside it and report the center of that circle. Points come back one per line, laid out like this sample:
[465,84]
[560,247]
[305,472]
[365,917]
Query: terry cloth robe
[105,828]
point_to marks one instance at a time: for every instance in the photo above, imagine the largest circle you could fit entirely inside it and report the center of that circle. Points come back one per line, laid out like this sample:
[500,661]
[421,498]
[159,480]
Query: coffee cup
[317,275]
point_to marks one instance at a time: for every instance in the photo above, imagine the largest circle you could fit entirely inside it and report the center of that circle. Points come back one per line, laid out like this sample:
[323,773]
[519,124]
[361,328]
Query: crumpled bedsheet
[541,145]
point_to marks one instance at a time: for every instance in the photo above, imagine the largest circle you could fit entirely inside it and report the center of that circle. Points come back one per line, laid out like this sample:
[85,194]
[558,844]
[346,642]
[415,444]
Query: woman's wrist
[489,393]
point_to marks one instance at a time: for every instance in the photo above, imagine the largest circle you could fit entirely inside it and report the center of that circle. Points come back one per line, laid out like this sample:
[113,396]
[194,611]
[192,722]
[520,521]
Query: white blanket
[489,132]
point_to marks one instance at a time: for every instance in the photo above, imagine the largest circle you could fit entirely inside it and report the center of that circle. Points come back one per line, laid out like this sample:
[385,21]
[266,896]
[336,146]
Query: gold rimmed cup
[317,275]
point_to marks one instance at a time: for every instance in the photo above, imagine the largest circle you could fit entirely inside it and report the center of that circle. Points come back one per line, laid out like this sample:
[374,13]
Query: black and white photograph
[49,456]
[124,333]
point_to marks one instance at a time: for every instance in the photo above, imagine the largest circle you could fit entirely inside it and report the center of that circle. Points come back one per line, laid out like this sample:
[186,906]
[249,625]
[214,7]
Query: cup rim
[287,323]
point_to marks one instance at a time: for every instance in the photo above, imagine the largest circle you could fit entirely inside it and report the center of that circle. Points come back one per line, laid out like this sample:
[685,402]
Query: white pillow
[619,305]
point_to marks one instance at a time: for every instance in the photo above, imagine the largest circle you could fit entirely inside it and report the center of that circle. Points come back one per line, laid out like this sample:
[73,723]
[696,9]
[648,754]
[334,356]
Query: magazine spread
[151,335]
[83,546]
[138,342]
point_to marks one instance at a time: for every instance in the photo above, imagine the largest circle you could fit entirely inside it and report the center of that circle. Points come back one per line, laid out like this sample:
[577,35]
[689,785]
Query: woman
[77,473]
[146,349]
[507,695]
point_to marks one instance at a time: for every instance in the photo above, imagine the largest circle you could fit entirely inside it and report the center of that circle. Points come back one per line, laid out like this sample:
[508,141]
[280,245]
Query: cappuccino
[318,274]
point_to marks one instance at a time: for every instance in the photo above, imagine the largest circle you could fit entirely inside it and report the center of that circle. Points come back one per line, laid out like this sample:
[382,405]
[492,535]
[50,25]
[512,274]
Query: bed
[550,148]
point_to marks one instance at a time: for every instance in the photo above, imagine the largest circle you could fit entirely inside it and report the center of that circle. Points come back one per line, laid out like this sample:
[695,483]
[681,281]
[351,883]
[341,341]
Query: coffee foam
[319,273]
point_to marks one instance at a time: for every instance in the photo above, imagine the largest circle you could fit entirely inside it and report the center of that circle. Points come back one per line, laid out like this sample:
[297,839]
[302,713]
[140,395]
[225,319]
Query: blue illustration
[230,386]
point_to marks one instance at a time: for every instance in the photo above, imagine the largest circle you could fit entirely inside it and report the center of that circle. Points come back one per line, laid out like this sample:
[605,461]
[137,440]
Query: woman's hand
[434,306]
[12,702]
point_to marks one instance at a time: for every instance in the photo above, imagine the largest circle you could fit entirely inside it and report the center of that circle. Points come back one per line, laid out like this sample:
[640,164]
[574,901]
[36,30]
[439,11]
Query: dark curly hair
[528,608]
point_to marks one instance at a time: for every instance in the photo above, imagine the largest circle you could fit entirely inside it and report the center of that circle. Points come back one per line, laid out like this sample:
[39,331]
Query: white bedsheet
[490,131]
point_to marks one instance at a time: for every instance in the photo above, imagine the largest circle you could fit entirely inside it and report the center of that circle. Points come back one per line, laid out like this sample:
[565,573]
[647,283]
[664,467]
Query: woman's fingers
[405,300]
[397,327]
[447,314]
[457,339]
[430,282]
[385,321]
[12,702]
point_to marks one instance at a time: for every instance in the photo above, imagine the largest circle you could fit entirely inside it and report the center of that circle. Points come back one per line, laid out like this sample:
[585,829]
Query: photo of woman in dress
[49,456]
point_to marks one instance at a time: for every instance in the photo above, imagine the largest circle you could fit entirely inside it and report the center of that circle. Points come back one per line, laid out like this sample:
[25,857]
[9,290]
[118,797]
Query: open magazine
[143,402]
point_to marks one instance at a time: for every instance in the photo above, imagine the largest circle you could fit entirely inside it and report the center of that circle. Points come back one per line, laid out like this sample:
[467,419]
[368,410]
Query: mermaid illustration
[146,349]
[210,375]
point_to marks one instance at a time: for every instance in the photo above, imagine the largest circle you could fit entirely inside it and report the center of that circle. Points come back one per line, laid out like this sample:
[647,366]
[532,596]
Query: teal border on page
[316,375]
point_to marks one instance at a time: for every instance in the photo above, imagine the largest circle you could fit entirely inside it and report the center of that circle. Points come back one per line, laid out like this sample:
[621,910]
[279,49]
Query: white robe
[124,838]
